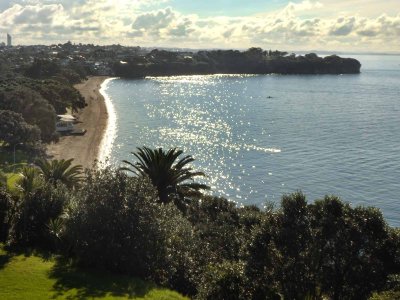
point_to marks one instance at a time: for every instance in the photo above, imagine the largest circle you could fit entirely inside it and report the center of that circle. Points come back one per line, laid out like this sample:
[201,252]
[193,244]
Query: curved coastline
[94,118]
[110,131]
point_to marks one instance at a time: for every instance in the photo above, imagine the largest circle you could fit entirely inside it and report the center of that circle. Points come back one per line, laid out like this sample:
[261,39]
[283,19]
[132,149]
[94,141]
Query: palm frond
[164,168]
[60,171]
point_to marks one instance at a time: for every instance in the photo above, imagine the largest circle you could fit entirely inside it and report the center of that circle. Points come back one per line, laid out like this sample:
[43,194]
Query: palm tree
[60,171]
[30,181]
[167,175]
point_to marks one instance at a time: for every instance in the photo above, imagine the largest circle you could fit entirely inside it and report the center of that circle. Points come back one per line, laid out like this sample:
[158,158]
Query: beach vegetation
[33,210]
[14,130]
[38,91]
[29,181]
[211,250]
[3,179]
[171,175]
[5,211]
[34,109]
[60,171]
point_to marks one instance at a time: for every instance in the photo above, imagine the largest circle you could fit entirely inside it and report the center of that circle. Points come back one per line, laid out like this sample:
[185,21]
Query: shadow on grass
[91,283]
[5,256]
[4,259]
[13,250]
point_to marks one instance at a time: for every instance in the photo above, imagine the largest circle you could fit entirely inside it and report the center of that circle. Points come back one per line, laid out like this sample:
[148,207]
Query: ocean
[258,137]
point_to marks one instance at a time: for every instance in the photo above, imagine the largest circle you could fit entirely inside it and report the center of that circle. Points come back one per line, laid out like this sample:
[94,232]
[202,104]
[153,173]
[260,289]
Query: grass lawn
[25,276]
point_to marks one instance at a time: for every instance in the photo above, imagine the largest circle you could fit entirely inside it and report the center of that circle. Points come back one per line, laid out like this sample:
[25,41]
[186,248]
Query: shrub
[34,211]
[225,280]
[5,211]
[115,223]
[3,179]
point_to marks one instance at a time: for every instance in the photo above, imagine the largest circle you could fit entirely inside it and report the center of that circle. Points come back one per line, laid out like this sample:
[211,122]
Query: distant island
[252,61]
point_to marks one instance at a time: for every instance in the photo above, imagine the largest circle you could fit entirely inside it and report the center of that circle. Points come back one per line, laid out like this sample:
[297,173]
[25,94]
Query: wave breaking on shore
[110,132]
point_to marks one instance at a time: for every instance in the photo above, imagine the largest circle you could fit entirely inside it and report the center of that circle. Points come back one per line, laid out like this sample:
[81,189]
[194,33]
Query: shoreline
[94,117]
[110,132]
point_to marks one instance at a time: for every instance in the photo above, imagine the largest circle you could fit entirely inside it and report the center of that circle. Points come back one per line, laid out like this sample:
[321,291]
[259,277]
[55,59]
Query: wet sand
[84,149]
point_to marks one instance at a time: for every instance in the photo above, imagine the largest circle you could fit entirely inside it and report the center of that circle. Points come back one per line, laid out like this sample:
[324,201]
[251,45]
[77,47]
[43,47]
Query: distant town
[96,59]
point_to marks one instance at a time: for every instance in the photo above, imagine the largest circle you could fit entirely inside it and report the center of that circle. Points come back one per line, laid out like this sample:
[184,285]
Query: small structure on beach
[65,124]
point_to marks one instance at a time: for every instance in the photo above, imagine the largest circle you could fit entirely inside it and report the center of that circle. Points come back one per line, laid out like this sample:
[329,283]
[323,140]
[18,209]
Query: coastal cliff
[252,61]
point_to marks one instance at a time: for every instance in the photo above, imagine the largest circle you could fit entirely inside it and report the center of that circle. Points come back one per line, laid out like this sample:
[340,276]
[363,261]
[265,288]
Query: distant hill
[252,61]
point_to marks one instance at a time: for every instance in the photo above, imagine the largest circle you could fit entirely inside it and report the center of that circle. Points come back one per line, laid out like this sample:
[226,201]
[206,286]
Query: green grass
[25,276]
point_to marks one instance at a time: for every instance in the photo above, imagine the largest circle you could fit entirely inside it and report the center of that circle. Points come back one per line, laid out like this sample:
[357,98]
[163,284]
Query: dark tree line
[252,61]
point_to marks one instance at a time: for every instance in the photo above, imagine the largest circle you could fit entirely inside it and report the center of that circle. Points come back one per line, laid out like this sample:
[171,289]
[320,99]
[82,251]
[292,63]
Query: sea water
[258,137]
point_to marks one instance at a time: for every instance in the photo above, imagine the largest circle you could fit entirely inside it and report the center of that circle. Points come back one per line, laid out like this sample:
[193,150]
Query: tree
[293,240]
[225,280]
[29,182]
[14,129]
[34,211]
[42,68]
[354,247]
[5,207]
[33,107]
[167,175]
[114,223]
[3,179]
[60,171]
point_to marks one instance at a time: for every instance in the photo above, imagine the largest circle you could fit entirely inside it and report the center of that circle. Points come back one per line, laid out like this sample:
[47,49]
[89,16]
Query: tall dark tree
[356,249]
[293,240]
[167,174]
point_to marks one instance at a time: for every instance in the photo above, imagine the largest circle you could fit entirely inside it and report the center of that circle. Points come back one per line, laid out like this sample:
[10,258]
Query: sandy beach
[84,149]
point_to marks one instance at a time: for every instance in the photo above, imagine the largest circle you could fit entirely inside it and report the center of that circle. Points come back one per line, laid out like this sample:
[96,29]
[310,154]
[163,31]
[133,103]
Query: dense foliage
[213,249]
[38,91]
[33,108]
[14,129]
[252,61]
[60,171]
[168,174]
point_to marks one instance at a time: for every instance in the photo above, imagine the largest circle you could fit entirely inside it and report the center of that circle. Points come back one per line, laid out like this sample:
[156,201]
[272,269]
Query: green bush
[116,223]
[5,211]
[391,290]
[225,280]
[3,179]
[33,213]
[322,249]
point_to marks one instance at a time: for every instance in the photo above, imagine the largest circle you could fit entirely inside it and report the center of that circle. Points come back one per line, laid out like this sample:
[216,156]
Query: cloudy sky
[340,25]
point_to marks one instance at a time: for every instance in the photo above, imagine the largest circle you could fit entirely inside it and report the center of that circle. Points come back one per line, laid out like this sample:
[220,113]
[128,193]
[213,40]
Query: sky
[297,25]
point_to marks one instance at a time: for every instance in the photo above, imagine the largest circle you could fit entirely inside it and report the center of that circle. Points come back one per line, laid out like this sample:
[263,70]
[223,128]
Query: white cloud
[343,26]
[305,25]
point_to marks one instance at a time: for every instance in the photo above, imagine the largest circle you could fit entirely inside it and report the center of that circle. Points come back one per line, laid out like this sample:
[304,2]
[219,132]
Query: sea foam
[110,132]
